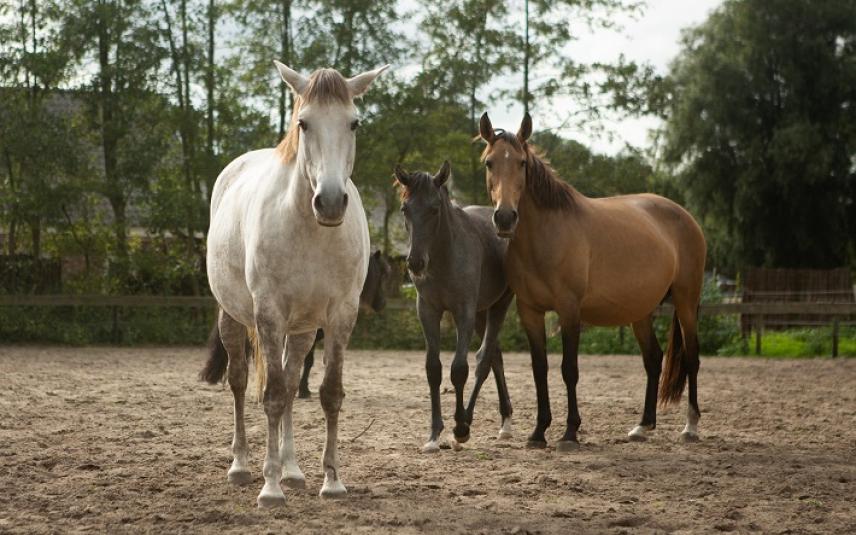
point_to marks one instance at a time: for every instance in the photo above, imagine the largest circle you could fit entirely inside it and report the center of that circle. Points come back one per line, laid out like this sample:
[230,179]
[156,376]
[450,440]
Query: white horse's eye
[355,124]
[302,124]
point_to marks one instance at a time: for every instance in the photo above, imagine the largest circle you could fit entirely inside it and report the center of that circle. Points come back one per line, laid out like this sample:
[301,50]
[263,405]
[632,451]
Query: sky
[652,38]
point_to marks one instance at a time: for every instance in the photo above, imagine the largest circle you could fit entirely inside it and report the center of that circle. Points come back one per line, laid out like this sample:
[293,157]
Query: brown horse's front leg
[570,374]
[533,323]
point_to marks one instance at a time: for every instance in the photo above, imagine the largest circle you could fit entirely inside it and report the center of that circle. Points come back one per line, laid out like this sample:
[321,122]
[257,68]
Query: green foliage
[760,128]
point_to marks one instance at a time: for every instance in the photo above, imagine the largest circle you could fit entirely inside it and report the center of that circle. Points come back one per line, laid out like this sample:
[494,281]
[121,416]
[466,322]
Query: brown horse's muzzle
[505,221]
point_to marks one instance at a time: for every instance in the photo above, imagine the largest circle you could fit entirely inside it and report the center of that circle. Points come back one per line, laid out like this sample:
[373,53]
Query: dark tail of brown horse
[675,368]
[218,359]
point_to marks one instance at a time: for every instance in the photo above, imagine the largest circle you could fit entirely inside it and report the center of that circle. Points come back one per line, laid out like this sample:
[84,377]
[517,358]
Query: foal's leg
[296,347]
[233,335]
[303,391]
[533,323]
[570,321]
[465,318]
[490,357]
[652,356]
[430,317]
[271,337]
[331,393]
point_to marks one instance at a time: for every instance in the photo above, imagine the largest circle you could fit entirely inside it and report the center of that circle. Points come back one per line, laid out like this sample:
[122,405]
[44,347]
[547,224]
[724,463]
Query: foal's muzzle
[416,264]
[505,221]
[329,206]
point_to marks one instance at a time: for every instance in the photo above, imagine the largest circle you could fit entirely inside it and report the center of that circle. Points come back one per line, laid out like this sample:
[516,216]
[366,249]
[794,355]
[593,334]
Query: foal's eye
[355,124]
[302,124]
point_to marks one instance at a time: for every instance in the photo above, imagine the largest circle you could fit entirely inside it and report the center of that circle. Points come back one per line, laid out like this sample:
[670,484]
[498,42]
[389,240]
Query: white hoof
[432,446]
[505,431]
[639,433]
[270,496]
[690,434]
[240,476]
[689,437]
[333,489]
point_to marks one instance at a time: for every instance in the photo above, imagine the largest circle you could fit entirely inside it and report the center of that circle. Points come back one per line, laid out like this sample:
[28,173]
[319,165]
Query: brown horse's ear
[401,176]
[525,128]
[485,128]
[443,174]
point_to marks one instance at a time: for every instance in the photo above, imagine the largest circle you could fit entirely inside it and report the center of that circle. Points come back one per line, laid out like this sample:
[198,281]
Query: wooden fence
[836,313]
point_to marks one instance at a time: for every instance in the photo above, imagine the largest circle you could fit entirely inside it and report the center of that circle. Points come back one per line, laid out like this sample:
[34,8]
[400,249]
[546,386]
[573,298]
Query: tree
[760,122]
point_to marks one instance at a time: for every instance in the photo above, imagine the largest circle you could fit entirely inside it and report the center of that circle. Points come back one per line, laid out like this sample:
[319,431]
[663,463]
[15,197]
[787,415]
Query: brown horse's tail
[675,369]
[218,359]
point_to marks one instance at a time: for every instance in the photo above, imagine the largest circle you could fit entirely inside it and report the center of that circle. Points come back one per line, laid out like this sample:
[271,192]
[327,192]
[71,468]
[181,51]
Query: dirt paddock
[112,440]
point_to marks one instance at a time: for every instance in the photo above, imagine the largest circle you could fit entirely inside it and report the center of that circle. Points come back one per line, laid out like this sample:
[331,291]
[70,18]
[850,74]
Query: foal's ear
[401,176]
[293,79]
[486,128]
[361,82]
[525,128]
[443,174]
[376,254]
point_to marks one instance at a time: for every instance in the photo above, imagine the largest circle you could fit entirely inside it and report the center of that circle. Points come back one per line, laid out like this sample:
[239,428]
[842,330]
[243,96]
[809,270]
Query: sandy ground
[127,440]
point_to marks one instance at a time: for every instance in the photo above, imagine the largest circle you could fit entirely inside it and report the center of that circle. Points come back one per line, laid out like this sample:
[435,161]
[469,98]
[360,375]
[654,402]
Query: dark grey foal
[373,297]
[456,263]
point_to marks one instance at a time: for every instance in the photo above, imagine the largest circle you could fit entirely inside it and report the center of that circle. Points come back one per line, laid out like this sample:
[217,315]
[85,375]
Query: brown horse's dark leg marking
[533,322]
[652,357]
[430,319]
[571,375]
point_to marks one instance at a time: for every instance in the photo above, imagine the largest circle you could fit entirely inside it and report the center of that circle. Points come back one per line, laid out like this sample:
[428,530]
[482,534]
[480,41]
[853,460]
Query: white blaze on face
[507,155]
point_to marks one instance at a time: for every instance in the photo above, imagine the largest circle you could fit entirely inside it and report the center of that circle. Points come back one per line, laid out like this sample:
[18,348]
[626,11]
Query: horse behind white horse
[288,250]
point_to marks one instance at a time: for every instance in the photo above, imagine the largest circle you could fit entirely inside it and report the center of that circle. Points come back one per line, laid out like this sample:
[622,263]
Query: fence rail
[837,313]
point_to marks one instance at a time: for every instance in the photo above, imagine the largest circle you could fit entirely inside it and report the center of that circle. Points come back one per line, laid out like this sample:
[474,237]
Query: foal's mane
[542,183]
[325,86]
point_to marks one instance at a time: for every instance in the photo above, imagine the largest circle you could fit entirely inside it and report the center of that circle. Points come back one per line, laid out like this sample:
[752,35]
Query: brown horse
[607,261]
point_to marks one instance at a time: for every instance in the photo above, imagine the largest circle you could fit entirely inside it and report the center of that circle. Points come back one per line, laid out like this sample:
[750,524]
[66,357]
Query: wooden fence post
[759,329]
[835,337]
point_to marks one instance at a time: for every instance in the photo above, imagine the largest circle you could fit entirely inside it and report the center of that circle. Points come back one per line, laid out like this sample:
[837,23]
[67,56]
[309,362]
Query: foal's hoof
[688,437]
[505,431]
[333,489]
[240,477]
[639,433]
[565,446]
[296,483]
[432,446]
[536,444]
[461,432]
[271,497]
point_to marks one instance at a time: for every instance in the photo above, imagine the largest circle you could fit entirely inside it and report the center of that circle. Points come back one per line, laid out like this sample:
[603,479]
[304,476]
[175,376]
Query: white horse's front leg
[331,394]
[296,349]
[270,341]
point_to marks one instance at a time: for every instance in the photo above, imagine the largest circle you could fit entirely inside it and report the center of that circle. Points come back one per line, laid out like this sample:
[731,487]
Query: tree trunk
[526,62]
[285,52]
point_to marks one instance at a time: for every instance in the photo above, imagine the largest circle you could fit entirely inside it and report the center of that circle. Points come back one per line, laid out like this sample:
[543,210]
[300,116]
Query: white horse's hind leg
[233,335]
[271,338]
[296,348]
[331,394]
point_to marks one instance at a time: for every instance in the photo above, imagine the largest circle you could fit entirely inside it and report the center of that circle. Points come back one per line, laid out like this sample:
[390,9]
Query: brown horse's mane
[325,86]
[542,183]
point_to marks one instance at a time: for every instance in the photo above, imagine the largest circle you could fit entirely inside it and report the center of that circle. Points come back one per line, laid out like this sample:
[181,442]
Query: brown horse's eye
[523,163]
[488,164]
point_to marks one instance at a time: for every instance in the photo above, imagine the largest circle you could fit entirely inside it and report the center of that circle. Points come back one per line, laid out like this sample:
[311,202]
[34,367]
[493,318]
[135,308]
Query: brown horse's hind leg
[686,311]
[652,356]
[234,335]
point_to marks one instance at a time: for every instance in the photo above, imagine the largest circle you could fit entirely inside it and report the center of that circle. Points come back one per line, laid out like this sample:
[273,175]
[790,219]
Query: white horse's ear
[296,81]
[361,82]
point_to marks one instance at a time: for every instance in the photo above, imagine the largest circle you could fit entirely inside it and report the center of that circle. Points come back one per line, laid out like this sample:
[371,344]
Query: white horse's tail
[260,364]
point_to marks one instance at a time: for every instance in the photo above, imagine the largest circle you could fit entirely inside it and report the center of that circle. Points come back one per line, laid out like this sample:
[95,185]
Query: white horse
[288,250]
